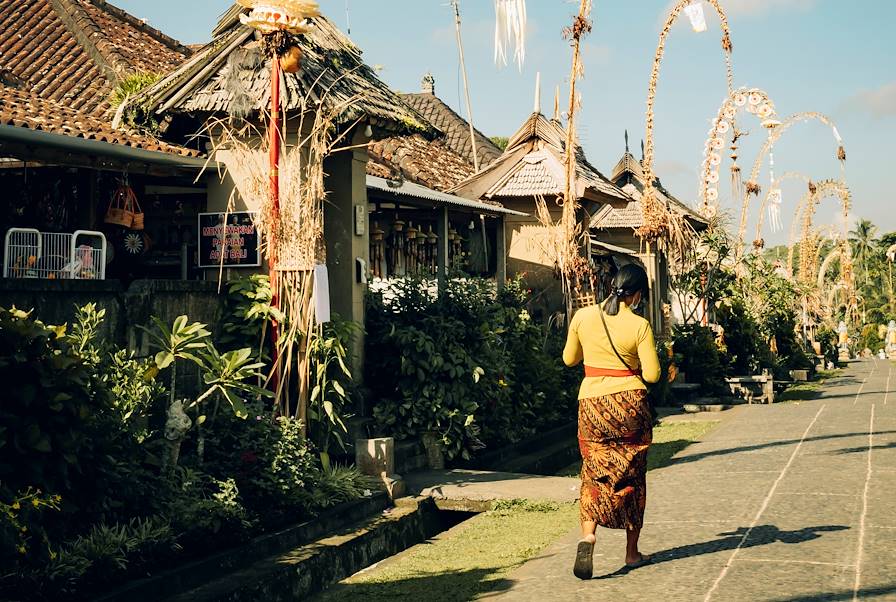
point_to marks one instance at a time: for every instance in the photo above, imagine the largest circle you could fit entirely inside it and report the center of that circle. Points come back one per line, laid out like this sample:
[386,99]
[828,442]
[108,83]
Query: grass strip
[476,556]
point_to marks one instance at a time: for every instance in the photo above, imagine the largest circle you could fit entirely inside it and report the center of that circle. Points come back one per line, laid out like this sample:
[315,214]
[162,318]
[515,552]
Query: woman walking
[615,422]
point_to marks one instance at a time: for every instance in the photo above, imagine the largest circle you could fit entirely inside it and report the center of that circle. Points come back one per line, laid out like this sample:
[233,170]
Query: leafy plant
[22,535]
[131,85]
[468,364]
[225,376]
[330,399]
[338,484]
[249,311]
[106,552]
[700,357]
[48,420]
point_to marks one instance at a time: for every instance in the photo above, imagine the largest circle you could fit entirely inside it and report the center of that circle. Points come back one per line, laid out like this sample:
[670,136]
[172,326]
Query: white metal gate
[29,253]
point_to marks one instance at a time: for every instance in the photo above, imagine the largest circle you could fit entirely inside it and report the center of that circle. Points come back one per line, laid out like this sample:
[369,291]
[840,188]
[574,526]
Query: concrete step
[544,461]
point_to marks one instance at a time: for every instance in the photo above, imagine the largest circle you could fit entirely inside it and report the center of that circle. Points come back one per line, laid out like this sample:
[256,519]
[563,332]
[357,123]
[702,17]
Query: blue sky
[828,56]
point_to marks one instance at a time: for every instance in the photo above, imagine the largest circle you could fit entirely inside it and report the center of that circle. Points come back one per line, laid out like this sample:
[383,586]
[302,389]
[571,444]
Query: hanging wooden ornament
[291,61]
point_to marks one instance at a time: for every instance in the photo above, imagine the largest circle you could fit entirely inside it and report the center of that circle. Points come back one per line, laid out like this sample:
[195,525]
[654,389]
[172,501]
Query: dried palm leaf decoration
[269,16]
[510,31]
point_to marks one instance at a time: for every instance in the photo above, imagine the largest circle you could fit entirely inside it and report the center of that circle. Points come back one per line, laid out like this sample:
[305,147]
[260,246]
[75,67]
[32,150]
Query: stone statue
[891,340]
[843,341]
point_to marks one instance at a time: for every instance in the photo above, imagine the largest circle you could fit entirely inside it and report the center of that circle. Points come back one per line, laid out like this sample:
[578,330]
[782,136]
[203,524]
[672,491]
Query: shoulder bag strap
[610,339]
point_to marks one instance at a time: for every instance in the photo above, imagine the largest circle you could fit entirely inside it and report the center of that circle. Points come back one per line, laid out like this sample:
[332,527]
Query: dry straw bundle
[291,231]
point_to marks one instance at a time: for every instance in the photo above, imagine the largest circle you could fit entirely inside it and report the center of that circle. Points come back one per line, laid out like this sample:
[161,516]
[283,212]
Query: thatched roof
[231,76]
[533,165]
[629,174]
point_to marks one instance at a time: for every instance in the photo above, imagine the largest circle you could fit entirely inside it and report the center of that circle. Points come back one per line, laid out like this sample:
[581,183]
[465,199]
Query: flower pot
[435,450]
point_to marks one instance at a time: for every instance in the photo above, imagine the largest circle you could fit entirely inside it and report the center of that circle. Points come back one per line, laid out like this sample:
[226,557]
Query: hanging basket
[124,210]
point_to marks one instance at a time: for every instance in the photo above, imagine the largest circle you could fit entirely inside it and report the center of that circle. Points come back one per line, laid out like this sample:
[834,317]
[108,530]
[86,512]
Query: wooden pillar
[501,251]
[442,230]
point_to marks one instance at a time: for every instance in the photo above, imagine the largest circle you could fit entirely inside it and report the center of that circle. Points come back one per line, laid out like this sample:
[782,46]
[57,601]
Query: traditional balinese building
[454,129]
[532,169]
[62,161]
[617,225]
[230,78]
[408,176]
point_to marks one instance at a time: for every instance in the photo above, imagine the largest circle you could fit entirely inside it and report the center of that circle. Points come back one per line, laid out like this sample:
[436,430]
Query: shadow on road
[745,448]
[449,587]
[864,448]
[758,536]
[862,594]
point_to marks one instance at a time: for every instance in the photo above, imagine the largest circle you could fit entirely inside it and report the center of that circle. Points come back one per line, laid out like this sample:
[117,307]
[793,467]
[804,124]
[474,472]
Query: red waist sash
[591,371]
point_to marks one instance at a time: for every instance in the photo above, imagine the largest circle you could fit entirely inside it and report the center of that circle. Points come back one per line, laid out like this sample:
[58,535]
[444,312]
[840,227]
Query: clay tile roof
[455,128]
[23,109]
[75,51]
[430,163]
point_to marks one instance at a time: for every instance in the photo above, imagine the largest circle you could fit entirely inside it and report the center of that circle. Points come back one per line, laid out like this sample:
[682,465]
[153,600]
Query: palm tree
[864,244]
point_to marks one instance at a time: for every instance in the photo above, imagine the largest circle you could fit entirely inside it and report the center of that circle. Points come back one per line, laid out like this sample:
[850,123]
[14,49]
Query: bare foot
[637,561]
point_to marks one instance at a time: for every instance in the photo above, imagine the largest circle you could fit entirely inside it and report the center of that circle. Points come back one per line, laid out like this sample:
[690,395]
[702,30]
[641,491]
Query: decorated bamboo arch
[752,100]
[752,184]
[808,205]
[660,223]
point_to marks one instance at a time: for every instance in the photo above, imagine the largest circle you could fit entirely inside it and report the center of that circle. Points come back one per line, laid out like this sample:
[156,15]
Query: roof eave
[78,145]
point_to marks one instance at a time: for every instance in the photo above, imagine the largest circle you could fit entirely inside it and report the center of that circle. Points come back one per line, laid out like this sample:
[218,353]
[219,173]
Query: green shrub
[51,420]
[105,554]
[700,358]
[746,350]
[468,364]
[272,464]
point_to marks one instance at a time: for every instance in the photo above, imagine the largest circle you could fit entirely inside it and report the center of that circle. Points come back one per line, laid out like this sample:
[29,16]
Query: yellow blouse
[587,340]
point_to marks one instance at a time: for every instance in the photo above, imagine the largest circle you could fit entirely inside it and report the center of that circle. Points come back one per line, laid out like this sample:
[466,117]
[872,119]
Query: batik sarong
[615,432]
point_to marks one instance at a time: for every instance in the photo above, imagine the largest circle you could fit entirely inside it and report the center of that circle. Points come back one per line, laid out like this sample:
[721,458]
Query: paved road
[793,502]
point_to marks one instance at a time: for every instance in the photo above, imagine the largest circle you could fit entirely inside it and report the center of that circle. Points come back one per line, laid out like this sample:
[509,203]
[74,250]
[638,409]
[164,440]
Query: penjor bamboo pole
[274,164]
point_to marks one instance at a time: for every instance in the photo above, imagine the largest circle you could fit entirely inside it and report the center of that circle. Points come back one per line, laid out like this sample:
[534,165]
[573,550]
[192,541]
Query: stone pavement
[793,502]
[476,490]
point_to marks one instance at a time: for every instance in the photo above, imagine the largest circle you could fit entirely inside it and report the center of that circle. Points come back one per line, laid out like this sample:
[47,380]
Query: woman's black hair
[628,280]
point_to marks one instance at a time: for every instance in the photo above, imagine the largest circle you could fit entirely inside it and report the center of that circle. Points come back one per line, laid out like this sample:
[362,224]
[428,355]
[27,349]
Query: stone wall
[54,302]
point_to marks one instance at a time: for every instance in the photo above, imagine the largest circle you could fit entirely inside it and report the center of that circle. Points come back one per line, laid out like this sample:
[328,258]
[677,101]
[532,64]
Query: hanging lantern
[268,16]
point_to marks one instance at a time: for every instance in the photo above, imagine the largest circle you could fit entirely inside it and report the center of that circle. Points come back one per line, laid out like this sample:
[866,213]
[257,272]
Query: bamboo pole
[463,70]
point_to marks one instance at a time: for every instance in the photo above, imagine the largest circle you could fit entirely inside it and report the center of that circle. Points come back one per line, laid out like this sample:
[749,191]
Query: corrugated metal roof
[422,192]
[611,248]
